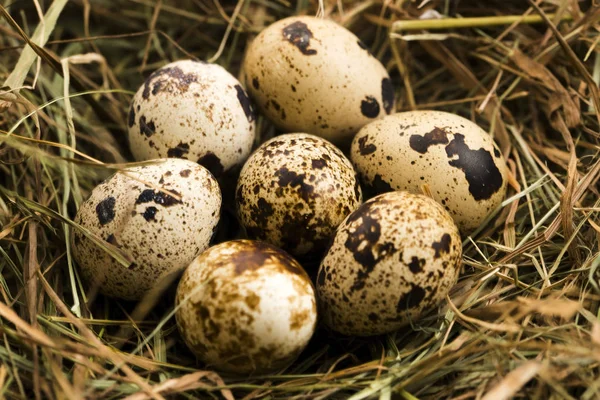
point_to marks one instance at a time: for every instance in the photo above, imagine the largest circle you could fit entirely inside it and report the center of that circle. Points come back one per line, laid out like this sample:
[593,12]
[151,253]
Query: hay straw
[523,319]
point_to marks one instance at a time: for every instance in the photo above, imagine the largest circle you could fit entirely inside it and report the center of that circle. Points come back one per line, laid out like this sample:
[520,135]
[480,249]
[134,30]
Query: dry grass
[524,317]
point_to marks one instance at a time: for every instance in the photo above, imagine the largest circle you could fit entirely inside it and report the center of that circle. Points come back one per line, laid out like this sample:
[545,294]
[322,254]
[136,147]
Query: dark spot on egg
[146,196]
[105,210]
[478,166]
[185,173]
[369,107]
[364,148]
[373,317]
[150,213]
[212,163]
[387,95]
[411,299]
[166,200]
[421,144]
[179,151]
[319,163]
[147,128]
[172,79]
[295,180]
[277,108]
[255,83]
[443,246]
[496,152]
[363,242]
[298,319]
[252,300]
[299,35]
[245,103]
[131,116]
[416,264]
[157,197]
[260,215]
[249,259]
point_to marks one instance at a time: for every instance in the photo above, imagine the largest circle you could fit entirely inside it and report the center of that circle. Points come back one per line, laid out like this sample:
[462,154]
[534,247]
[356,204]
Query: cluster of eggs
[246,305]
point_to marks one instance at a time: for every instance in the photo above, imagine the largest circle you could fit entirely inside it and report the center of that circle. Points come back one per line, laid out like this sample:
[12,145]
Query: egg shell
[454,157]
[393,258]
[312,75]
[295,190]
[192,110]
[246,307]
[158,232]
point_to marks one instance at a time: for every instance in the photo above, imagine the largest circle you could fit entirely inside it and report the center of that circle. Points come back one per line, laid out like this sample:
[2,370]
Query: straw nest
[522,320]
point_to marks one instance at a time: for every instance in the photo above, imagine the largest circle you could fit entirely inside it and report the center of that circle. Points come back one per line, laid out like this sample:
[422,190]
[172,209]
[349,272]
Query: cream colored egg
[312,75]
[395,257]
[456,159]
[295,190]
[246,307]
[160,216]
[192,110]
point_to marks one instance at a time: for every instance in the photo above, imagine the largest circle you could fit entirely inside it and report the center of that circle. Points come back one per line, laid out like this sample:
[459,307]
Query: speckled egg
[246,307]
[393,258]
[312,75]
[295,190]
[457,160]
[192,110]
[160,216]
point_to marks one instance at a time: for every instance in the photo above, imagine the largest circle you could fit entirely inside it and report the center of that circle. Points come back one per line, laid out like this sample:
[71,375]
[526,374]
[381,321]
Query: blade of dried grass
[17,77]
[514,381]
[575,61]
[103,351]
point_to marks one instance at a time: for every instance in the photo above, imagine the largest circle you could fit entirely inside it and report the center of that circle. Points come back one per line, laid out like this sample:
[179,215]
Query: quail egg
[295,190]
[160,216]
[455,158]
[394,257]
[312,75]
[192,110]
[246,307]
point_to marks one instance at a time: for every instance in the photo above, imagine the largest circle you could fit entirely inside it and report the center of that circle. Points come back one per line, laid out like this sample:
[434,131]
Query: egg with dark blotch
[397,256]
[192,110]
[457,160]
[312,75]
[246,307]
[294,191]
[159,216]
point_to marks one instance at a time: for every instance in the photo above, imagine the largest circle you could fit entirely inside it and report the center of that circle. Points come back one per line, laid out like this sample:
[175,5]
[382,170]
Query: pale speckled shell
[457,159]
[250,307]
[295,190]
[192,110]
[312,75]
[394,257]
[160,234]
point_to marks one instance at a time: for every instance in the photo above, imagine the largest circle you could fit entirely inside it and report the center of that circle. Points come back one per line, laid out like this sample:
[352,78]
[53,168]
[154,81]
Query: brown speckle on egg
[393,258]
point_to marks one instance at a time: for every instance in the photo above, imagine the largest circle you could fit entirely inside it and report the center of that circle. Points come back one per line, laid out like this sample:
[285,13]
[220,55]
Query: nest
[522,320]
